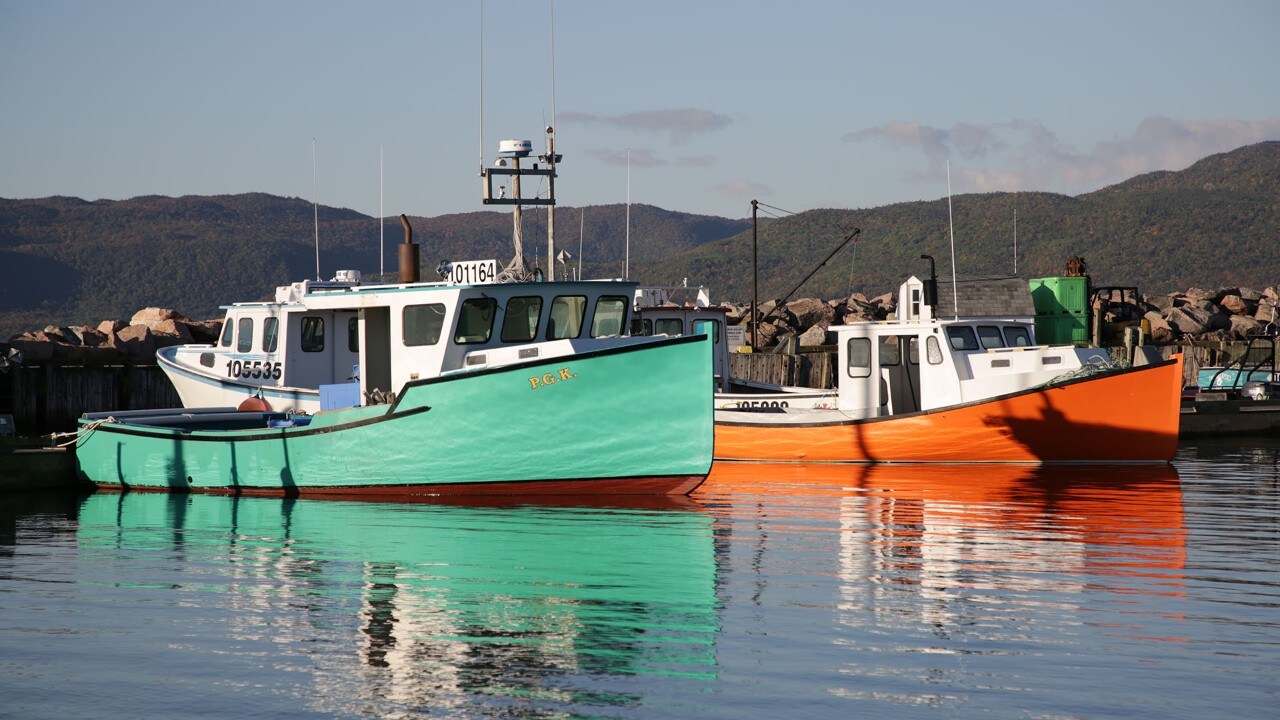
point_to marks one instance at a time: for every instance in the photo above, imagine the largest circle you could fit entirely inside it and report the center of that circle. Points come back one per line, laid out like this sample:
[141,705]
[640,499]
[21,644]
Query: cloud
[679,124]
[741,189]
[643,157]
[696,161]
[1026,155]
[639,157]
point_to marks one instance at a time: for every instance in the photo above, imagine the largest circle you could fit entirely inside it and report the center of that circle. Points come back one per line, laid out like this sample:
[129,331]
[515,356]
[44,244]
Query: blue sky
[800,104]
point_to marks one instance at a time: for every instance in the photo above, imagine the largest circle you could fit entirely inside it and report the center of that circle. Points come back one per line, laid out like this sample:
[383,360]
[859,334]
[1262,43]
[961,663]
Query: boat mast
[551,154]
[545,167]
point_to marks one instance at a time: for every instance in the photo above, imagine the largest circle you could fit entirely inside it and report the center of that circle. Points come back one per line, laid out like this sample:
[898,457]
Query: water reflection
[932,563]
[407,606]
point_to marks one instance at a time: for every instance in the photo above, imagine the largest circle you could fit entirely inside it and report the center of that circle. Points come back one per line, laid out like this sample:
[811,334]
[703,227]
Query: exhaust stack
[408,254]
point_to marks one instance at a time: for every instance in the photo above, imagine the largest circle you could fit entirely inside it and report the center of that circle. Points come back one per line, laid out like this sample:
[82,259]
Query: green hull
[635,419]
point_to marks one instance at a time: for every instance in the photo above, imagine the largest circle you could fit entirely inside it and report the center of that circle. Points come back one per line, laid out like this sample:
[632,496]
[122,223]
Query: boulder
[1160,303]
[1196,295]
[858,314]
[1250,294]
[207,331]
[1189,320]
[815,336]
[1267,312]
[765,334]
[809,313]
[53,333]
[1244,326]
[137,341]
[153,315]
[111,327]
[1235,305]
[91,337]
[172,332]
[1161,331]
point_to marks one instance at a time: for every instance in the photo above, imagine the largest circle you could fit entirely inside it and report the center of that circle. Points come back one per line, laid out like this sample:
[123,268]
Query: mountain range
[1215,224]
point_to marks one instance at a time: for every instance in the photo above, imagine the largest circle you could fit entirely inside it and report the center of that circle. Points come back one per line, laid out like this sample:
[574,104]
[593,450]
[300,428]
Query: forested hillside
[1217,223]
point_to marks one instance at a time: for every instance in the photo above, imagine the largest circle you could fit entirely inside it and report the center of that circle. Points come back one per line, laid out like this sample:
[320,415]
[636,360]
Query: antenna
[955,292]
[481,85]
[382,219]
[1015,234]
[581,211]
[315,205]
[626,263]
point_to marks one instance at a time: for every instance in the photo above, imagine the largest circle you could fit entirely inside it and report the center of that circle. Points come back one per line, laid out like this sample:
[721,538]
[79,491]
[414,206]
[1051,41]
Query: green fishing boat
[559,425]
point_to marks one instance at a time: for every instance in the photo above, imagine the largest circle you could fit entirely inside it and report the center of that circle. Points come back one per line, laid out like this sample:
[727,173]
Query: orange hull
[1131,416]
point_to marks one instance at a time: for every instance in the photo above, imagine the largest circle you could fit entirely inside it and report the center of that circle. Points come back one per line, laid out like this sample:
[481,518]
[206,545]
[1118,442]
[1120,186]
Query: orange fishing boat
[973,389]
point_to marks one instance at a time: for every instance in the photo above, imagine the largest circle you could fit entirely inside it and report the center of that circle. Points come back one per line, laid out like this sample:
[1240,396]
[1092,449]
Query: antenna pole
[315,205]
[581,211]
[382,219]
[482,85]
[955,293]
[1015,235]
[755,274]
[626,263]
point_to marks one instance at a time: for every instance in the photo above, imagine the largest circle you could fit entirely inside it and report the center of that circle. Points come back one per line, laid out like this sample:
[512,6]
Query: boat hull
[201,388]
[1127,416]
[559,426]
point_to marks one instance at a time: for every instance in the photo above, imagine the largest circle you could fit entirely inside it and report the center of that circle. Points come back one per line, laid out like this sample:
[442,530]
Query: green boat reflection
[437,601]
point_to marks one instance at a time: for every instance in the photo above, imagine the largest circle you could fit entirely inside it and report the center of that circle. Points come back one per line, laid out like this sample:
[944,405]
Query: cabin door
[899,374]
[346,345]
[375,366]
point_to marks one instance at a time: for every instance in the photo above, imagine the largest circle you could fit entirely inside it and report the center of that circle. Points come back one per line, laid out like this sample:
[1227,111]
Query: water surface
[775,591]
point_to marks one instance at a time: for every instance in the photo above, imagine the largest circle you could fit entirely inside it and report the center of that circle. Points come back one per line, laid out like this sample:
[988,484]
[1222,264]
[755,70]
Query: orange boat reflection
[1110,519]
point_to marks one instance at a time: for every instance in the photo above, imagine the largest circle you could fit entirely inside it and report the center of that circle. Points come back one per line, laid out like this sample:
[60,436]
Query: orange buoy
[254,403]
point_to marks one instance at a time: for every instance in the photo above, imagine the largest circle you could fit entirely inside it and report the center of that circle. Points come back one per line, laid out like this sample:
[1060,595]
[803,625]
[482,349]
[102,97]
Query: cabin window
[312,334]
[422,324]
[647,327]
[609,317]
[1017,336]
[990,336]
[890,351]
[520,321]
[962,337]
[933,350]
[244,335]
[668,326]
[913,350]
[353,335]
[228,328]
[859,351]
[270,334]
[708,327]
[566,317]
[475,321]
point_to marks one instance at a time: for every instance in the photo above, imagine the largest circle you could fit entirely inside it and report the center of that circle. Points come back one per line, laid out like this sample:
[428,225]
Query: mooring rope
[78,434]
